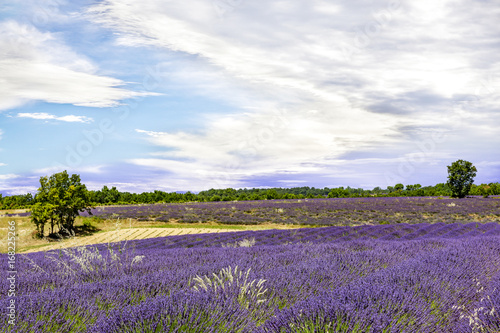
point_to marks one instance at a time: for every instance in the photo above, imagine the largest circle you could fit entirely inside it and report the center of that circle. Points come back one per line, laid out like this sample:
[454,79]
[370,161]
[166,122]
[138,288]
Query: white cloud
[90,169]
[37,66]
[299,48]
[47,116]
[350,76]
[6,185]
[121,186]
[235,148]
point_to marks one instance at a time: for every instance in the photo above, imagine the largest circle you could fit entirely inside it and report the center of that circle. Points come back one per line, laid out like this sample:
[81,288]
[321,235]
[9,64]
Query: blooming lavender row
[397,232]
[337,211]
[389,278]
[23,214]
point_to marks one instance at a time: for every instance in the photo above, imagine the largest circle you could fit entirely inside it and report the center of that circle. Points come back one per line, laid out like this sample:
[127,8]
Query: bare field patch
[123,234]
[112,230]
[23,231]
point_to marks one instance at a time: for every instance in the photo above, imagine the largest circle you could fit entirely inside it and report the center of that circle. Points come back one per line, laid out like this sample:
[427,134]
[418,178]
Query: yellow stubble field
[108,231]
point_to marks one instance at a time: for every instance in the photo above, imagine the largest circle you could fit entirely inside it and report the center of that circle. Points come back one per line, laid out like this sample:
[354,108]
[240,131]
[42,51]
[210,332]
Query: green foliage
[461,177]
[41,213]
[60,199]
[399,187]
[88,224]
[16,201]
[272,194]
[339,193]
[485,189]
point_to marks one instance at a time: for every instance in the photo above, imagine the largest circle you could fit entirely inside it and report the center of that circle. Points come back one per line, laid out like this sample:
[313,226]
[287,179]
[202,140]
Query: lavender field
[386,278]
[338,211]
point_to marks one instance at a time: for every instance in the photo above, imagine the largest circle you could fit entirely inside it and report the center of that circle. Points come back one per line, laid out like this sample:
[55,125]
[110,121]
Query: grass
[23,231]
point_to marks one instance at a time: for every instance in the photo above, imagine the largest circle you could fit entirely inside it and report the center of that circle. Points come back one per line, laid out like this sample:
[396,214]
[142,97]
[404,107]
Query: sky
[196,94]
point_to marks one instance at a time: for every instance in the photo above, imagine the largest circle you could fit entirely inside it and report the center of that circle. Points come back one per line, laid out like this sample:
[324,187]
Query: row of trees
[111,196]
[16,201]
[61,197]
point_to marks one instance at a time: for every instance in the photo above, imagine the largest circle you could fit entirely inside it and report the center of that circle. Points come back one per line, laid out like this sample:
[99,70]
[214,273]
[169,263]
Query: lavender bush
[387,278]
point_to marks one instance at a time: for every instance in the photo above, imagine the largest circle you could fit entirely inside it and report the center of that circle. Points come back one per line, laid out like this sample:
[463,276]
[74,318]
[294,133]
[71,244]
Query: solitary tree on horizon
[460,178]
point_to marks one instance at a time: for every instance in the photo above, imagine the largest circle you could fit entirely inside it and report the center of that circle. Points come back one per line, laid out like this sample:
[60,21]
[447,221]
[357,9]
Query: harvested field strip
[148,233]
[135,234]
[126,234]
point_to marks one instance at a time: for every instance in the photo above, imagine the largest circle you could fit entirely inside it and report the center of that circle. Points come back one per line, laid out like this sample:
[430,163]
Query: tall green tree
[399,187]
[41,214]
[460,178]
[65,195]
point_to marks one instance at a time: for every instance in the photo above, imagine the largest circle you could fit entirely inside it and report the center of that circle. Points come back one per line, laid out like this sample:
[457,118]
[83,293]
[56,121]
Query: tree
[271,194]
[60,198]
[494,188]
[460,178]
[399,187]
[41,213]
[338,193]
[484,189]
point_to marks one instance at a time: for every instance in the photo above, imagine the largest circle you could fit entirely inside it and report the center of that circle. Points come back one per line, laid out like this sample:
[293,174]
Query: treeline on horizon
[111,196]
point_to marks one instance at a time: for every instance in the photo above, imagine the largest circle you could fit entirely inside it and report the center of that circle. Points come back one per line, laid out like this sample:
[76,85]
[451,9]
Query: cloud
[46,116]
[354,77]
[13,184]
[235,148]
[90,169]
[38,66]
[271,48]
[8,176]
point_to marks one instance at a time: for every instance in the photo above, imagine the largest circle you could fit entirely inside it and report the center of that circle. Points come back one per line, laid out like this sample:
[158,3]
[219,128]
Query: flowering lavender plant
[386,278]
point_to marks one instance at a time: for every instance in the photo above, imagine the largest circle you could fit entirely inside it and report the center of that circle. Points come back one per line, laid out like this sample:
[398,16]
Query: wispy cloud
[13,184]
[90,169]
[350,77]
[237,147]
[47,116]
[8,176]
[38,66]
[310,91]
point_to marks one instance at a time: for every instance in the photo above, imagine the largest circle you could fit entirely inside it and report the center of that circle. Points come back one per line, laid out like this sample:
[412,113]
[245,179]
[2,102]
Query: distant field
[112,230]
[116,223]
[321,212]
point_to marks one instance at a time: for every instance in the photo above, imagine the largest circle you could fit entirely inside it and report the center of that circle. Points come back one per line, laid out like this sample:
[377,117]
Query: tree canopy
[461,177]
[60,199]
